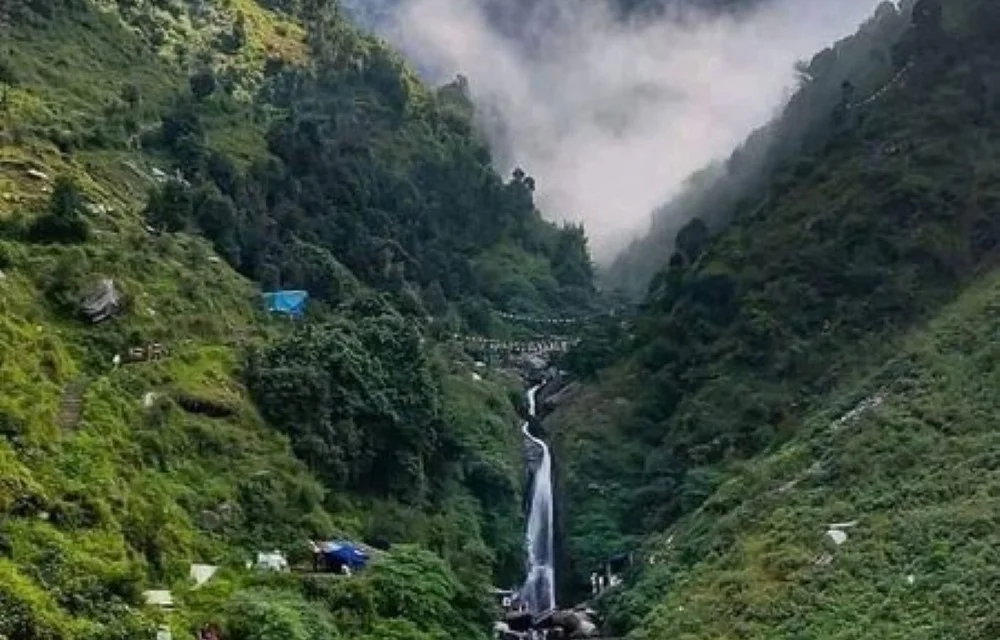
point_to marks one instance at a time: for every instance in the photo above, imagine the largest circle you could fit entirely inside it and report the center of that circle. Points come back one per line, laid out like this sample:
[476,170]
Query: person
[209,632]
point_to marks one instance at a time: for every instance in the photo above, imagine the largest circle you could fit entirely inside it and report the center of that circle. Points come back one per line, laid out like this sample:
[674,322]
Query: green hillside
[906,450]
[761,332]
[195,154]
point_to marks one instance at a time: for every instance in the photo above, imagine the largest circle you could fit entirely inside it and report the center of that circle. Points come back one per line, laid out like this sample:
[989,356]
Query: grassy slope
[918,473]
[90,516]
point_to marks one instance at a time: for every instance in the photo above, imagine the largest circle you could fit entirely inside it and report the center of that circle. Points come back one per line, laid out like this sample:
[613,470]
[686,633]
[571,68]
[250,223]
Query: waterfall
[539,590]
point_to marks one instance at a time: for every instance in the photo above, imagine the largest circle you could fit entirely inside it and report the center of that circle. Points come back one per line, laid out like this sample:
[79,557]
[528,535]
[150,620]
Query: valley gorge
[304,337]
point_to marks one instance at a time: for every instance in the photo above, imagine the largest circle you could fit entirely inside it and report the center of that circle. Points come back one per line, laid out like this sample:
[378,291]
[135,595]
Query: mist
[610,117]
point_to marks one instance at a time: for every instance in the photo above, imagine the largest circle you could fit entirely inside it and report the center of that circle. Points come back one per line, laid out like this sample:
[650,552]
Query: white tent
[202,573]
[273,561]
[159,598]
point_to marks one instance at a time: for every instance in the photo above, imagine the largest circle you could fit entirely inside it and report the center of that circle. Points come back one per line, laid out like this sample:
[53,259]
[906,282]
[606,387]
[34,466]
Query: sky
[610,118]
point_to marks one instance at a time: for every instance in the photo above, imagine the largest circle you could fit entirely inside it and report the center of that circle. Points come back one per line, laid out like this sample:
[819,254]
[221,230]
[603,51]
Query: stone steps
[71,406]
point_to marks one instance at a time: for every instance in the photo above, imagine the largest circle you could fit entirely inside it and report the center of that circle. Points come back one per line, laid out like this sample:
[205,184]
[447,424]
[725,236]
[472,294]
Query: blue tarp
[292,303]
[344,553]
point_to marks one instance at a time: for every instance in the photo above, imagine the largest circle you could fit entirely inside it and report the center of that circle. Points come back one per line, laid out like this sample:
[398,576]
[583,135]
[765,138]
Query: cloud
[611,117]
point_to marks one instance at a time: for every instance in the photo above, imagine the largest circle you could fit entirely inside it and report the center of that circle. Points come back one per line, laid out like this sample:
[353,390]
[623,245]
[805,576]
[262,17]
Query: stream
[539,590]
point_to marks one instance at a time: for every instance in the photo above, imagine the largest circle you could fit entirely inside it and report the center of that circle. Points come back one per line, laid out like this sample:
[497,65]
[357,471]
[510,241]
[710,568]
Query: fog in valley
[610,115]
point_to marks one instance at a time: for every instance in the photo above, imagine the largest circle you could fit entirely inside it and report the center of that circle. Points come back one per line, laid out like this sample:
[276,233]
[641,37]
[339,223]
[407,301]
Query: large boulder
[102,302]
[573,624]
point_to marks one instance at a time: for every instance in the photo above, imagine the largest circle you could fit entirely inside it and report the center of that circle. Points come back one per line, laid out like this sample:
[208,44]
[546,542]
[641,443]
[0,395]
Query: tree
[692,239]
[435,300]
[357,401]
[131,95]
[171,207]
[7,80]
[927,15]
[63,222]
[927,25]
[66,200]
[202,84]
[180,122]
[240,31]
[414,584]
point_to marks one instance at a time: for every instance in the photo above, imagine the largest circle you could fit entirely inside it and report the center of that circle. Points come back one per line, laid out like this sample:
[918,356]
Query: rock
[518,621]
[859,411]
[211,520]
[501,631]
[788,486]
[587,629]
[574,624]
[824,560]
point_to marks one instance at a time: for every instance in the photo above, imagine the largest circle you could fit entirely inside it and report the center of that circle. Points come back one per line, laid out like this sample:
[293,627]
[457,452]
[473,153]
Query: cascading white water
[539,590]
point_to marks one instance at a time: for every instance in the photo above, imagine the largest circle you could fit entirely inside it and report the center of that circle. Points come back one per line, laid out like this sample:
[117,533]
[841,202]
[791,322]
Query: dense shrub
[64,221]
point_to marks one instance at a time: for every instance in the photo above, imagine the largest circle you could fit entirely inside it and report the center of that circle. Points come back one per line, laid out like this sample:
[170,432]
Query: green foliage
[384,177]
[395,629]
[64,221]
[202,84]
[416,585]
[7,74]
[913,471]
[271,614]
[365,407]
[601,343]
[358,402]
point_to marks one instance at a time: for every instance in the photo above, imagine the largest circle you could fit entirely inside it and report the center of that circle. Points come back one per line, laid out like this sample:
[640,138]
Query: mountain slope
[907,454]
[746,335]
[163,146]
[851,73]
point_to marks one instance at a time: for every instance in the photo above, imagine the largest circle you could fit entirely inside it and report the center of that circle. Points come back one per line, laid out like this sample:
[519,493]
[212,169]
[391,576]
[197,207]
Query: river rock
[518,621]
[573,624]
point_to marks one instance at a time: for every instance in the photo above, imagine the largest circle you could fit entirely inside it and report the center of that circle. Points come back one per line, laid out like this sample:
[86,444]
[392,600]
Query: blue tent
[340,552]
[292,303]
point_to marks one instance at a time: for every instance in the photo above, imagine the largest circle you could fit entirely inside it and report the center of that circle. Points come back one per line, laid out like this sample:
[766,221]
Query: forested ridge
[797,358]
[162,164]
